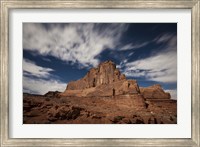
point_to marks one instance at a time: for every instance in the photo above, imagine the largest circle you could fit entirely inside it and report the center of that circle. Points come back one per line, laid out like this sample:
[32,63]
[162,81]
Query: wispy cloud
[132,46]
[163,38]
[38,80]
[159,67]
[41,86]
[130,54]
[77,43]
[30,68]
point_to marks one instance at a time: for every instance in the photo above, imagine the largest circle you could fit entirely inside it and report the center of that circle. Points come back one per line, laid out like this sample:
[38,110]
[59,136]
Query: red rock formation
[103,96]
[105,80]
[154,92]
[105,73]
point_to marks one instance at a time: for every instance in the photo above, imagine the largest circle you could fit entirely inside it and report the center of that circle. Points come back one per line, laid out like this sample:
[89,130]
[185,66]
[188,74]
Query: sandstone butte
[107,80]
[102,96]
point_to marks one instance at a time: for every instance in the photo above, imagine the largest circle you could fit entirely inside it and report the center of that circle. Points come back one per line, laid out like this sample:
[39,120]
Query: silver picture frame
[7,5]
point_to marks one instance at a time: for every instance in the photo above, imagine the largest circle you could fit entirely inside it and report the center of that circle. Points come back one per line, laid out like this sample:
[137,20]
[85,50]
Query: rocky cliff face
[107,80]
[106,73]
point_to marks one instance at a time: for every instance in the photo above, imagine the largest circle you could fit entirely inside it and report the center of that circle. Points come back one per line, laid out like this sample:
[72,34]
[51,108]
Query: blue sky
[57,53]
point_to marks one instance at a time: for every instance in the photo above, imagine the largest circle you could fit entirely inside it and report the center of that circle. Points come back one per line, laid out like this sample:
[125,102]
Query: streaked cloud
[77,43]
[163,38]
[38,80]
[132,46]
[30,68]
[159,67]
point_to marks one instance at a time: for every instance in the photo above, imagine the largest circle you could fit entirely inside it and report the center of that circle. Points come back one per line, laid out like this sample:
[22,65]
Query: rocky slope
[124,109]
[154,91]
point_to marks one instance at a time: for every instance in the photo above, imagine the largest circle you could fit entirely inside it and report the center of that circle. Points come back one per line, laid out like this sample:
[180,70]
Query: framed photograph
[100,73]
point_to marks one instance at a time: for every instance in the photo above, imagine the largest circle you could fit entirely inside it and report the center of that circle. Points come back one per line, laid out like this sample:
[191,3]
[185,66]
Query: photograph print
[100,73]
